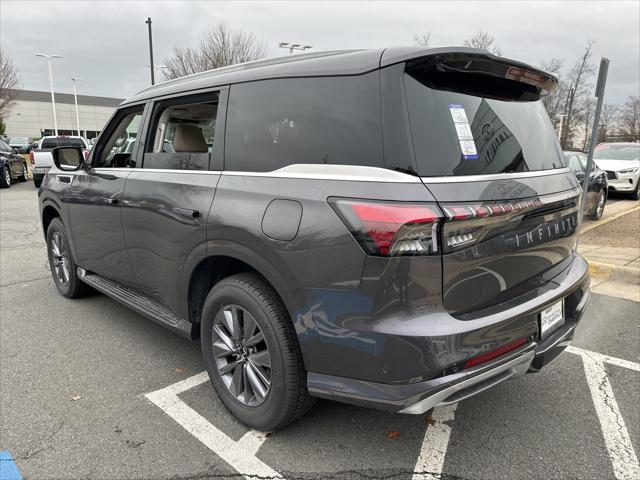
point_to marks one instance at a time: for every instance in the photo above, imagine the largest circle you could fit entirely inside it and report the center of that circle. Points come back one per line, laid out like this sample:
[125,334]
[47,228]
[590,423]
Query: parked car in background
[314,259]
[597,189]
[21,144]
[12,166]
[41,160]
[621,161]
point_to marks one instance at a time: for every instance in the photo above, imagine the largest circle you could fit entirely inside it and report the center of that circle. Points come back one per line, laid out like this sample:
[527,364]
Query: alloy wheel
[60,258]
[600,206]
[7,176]
[241,355]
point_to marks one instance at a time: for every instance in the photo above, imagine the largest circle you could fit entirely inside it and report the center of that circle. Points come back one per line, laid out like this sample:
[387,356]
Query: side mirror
[67,159]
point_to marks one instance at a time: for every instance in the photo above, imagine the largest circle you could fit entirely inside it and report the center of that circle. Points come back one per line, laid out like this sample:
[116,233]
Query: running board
[139,303]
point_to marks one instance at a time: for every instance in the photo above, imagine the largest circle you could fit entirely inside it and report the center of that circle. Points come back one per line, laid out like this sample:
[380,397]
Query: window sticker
[463,130]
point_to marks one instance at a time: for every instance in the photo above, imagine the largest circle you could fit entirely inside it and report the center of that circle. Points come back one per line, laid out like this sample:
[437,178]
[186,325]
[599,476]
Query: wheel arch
[227,261]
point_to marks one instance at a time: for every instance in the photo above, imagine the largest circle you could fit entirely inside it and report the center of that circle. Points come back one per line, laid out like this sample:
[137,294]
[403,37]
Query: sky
[106,43]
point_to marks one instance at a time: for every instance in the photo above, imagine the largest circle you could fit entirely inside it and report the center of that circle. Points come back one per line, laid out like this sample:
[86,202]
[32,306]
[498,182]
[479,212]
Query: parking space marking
[605,358]
[435,444]
[614,430]
[240,455]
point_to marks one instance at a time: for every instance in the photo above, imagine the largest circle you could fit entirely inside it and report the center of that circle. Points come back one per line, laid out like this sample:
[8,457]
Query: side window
[574,163]
[114,150]
[330,120]
[182,134]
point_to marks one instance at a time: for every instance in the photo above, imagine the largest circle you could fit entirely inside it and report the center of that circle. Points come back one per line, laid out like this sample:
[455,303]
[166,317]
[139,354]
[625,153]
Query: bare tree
[483,40]
[553,100]
[9,83]
[423,40]
[220,47]
[629,118]
[579,83]
[586,119]
[608,118]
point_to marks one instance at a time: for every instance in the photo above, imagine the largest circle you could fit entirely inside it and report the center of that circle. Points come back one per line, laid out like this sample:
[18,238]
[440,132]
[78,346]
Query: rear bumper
[418,397]
[40,170]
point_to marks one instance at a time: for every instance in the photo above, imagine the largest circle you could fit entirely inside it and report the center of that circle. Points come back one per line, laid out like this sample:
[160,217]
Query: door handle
[113,201]
[187,212]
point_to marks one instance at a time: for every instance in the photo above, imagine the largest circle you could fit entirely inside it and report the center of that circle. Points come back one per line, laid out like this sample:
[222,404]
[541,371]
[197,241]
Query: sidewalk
[612,248]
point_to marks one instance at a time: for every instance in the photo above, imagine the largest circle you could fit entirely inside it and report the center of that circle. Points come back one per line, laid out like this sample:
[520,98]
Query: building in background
[31,114]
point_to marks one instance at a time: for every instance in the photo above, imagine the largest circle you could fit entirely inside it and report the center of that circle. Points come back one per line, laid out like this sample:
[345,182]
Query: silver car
[621,161]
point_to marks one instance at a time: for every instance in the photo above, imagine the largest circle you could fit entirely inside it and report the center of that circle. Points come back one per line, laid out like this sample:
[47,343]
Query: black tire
[25,173]
[5,178]
[73,287]
[600,204]
[287,398]
[636,193]
[37,180]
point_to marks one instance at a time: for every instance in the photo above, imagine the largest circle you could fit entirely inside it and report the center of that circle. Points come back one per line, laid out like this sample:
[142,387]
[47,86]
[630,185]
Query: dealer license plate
[551,318]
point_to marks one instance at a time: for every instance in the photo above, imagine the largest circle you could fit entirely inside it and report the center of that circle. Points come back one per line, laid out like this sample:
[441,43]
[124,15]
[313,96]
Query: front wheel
[251,352]
[636,193]
[5,178]
[24,176]
[602,200]
[61,262]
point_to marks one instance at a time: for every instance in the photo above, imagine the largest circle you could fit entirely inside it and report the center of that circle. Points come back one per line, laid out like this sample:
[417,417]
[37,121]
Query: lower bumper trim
[474,385]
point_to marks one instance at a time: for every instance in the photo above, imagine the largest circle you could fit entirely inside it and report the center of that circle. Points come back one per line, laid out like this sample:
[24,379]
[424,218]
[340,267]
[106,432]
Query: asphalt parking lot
[92,390]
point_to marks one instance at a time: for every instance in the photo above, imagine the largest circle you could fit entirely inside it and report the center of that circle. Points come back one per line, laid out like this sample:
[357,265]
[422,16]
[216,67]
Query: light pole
[148,22]
[53,98]
[75,98]
[294,46]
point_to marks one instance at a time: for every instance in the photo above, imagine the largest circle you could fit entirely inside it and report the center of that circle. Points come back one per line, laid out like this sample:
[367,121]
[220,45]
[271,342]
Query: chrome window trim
[154,170]
[494,176]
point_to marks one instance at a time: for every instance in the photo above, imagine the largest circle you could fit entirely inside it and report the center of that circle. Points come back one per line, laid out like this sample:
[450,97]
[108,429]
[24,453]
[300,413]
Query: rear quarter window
[325,120]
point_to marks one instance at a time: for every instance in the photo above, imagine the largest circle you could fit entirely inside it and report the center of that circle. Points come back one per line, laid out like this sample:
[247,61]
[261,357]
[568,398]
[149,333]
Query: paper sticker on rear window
[457,113]
[468,148]
[463,130]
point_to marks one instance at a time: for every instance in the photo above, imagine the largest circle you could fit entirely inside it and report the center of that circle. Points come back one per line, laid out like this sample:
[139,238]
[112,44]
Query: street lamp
[53,98]
[75,98]
[294,46]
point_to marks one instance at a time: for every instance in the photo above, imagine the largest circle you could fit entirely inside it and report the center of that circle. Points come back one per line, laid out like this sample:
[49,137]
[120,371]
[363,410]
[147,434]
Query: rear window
[275,123]
[611,151]
[62,142]
[18,140]
[471,133]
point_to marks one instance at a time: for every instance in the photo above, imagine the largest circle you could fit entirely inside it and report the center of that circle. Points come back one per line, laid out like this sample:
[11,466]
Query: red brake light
[391,229]
[485,357]
[86,154]
[31,159]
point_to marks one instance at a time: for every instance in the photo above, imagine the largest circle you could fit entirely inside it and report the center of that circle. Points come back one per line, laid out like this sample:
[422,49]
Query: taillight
[403,228]
[86,154]
[31,159]
[391,228]
[498,352]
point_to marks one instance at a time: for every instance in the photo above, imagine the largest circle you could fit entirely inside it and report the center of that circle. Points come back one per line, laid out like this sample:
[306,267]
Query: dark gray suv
[390,228]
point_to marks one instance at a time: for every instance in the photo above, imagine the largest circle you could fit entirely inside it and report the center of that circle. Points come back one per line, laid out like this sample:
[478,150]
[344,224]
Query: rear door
[486,150]
[166,202]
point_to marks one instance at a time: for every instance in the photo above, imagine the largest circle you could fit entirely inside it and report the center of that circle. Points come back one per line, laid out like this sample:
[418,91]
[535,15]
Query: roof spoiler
[475,61]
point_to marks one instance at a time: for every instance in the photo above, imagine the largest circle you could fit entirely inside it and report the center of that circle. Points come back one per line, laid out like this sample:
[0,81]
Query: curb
[602,222]
[618,273]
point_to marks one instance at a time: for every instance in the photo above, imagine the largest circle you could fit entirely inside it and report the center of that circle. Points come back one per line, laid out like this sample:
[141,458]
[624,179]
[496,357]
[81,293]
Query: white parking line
[605,358]
[240,455]
[614,430]
[435,443]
